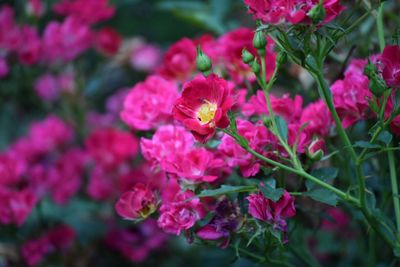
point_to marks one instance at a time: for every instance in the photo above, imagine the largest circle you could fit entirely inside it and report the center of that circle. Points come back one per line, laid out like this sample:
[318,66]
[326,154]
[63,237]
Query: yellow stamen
[206,112]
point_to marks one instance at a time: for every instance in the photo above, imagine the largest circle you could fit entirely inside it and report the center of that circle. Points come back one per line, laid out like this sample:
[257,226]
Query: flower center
[206,112]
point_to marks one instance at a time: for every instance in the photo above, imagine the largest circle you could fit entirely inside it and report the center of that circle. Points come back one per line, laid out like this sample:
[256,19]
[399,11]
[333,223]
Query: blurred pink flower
[145,57]
[149,104]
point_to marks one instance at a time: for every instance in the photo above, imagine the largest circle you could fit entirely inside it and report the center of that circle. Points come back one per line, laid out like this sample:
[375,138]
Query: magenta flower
[267,210]
[390,60]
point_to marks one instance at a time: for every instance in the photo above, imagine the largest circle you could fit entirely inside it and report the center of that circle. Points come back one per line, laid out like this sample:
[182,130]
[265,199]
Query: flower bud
[247,57]
[315,149]
[317,13]
[259,41]
[377,84]
[255,67]
[203,62]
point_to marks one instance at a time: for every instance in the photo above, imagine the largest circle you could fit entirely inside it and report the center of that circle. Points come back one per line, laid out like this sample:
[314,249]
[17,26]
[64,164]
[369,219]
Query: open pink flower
[267,210]
[294,11]
[179,61]
[15,206]
[181,214]
[137,203]
[149,103]
[390,60]
[318,119]
[203,106]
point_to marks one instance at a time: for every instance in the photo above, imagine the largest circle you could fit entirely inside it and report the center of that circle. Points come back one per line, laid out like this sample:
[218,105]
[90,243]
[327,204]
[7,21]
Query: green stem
[301,173]
[395,191]
[379,27]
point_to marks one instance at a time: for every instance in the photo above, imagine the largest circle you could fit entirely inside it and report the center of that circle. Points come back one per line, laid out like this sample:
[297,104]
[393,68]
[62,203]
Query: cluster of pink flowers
[293,11]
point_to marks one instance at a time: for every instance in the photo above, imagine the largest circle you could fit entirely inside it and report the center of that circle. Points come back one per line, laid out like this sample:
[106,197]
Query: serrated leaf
[282,127]
[322,195]
[271,193]
[365,144]
[226,189]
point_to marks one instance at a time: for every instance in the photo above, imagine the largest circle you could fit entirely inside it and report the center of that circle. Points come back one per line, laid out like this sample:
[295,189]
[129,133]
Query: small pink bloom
[145,57]
[35,8]
[232,45]
[318,119]
[265,209]
[139,202]
[179,61]
[203,106]
[111,147]
[107,41]
[166,142]
[180,215]
[47,87]
[34,251]
[390,60]
[15,206]
[30,45]
[149,104]
[88,11]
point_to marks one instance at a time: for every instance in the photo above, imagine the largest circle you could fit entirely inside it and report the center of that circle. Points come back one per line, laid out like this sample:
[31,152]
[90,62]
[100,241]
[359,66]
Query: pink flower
[295,11]
[111,147]
[232,45]
[286,107]
[339,220]
[179,61]
[390,60]
[318,119]
[10,37]
[64,42]
[137,203]
[65,177]
[180,215]
[259,139]
[145,57]
[47,88]
[136,244]
[107,41]
[88,11]
[101,184]
[15,206]
[9,173]
[30,46]
[350,97]
[267,210]
[203,106]
[196,166]
[49,134]
[59,238]
[35,8]
[4,69]
[167,142]
[149,104]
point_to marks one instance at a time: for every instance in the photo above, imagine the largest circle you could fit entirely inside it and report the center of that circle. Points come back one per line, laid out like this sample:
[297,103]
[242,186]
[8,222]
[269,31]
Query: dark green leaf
[385,137]
[282,127]
[225,189]
[322,195]
[271,193]
[365,144]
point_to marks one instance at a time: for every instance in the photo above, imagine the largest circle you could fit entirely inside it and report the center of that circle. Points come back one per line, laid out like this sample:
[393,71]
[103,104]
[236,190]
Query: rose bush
[271,142]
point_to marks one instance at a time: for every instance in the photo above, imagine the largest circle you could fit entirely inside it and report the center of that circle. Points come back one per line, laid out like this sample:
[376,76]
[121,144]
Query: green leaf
[324,174]
[282,127]
[322,195]
[312,63]
[385,137]
[226,189]
[365,144]
[271,193]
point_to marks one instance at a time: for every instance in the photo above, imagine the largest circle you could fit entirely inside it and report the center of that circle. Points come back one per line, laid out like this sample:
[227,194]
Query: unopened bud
[255,67]
[247,57]
[317,13]
[315,150]
[203,62]
[259,41]
[377,84]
